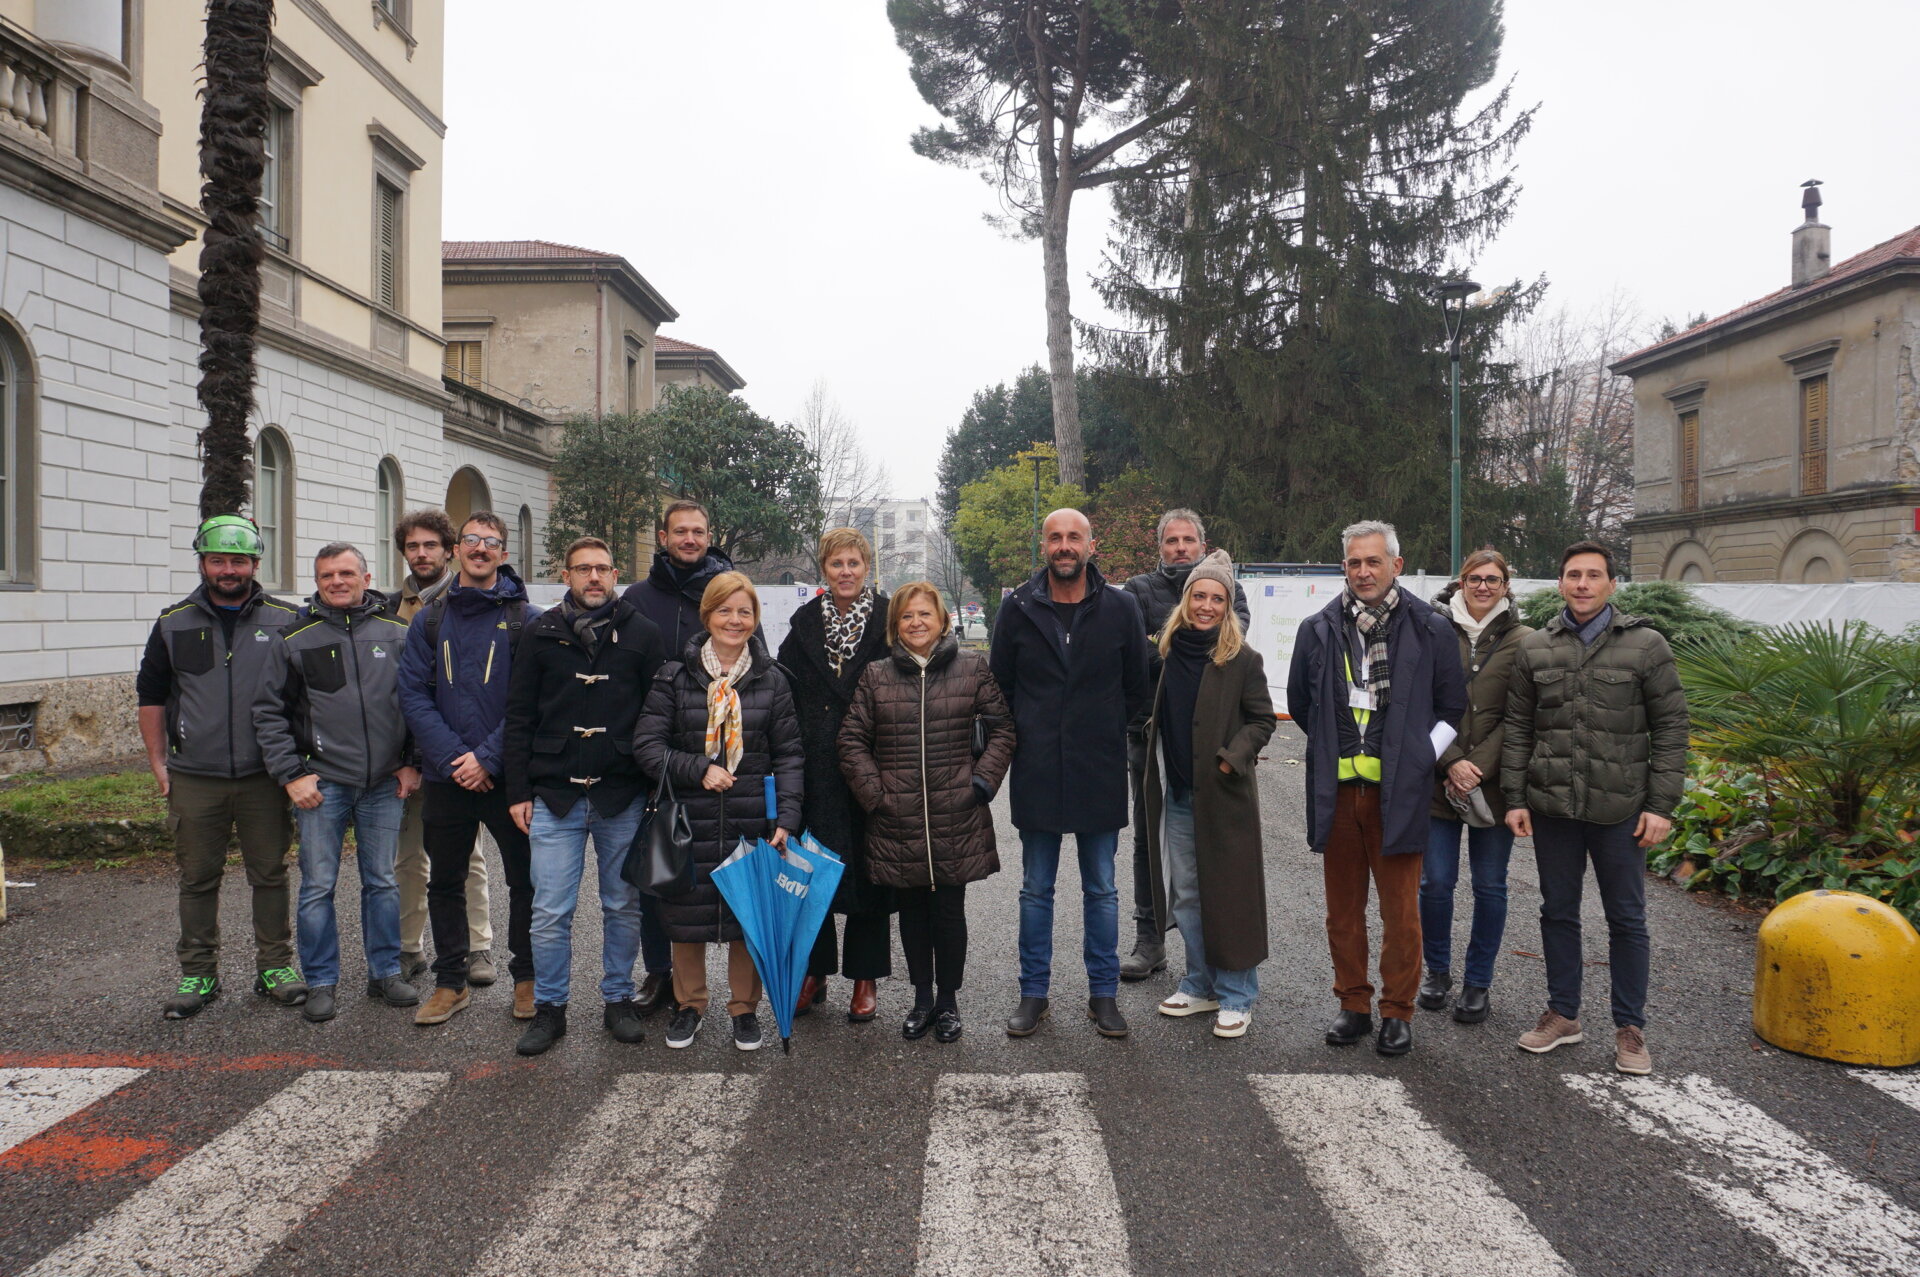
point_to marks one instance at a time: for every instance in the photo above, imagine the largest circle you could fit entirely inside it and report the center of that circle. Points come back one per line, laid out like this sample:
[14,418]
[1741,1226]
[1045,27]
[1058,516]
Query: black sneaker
[394,991]
[282,984]
[319,1005]
[549,1026]
[622,1019]
[746,1032]
[191,997]
[686,1023]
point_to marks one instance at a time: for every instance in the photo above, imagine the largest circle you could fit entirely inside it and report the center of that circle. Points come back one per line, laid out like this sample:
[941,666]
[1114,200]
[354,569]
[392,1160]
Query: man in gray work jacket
[330,729]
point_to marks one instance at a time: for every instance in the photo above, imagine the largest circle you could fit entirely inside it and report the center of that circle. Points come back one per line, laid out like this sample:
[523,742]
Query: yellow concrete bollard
[1837,976]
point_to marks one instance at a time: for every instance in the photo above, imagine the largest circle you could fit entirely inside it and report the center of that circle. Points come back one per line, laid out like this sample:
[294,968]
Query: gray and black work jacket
[329,705]
[207,682]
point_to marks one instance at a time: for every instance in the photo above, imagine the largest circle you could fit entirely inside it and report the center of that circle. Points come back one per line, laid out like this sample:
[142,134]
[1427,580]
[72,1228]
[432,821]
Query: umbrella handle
[773,799]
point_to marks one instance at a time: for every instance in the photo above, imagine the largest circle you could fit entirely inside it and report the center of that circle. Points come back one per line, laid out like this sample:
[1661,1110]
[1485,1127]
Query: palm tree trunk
[233,127]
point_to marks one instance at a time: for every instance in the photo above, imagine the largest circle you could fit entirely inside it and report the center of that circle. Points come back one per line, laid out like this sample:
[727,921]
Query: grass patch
[129,795]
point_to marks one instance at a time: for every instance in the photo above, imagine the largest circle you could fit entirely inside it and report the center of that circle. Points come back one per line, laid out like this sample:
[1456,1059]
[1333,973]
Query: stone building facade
[1781,441]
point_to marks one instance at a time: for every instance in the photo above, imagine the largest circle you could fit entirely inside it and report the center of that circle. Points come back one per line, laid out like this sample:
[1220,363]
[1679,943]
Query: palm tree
[233,127]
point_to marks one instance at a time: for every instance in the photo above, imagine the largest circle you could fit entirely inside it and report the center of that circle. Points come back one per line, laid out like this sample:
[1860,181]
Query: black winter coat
[672,735]
[820,697]
[1071,702]
[671,604]
[570,715]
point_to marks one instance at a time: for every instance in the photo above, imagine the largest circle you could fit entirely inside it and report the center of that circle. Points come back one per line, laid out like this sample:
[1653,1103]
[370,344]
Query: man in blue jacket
[1070,653]
[453,690]
[1376,685]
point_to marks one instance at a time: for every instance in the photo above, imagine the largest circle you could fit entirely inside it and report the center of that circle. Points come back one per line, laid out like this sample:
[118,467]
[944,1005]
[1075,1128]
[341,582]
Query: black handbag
[660,861]
[982,729]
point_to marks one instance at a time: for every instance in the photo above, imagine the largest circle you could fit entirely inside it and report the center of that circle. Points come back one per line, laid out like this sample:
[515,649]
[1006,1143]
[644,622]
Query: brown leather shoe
[439,1008]
[866,1002]
[813,991]
[523,999]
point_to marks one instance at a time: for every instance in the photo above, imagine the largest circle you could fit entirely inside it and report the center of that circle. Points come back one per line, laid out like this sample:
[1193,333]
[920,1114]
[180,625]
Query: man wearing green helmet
[204,661]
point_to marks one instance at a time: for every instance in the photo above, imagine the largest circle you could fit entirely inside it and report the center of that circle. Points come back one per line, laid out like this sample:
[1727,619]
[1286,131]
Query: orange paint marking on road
[81,1155]
[132,1060]
[478,1072]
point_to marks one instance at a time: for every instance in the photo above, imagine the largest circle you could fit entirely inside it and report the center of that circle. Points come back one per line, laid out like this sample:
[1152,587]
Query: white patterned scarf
[725,735]
[845,632]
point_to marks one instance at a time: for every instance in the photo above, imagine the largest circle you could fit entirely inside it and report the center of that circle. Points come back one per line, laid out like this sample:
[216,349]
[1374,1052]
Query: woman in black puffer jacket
[717,722]
[906,751]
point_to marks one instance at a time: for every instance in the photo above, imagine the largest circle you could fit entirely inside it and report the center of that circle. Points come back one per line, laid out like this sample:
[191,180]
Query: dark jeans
[205,814]
[1148,928]
[1561,849]
[1487,854]
[933,931]
[866,955]
[450,820]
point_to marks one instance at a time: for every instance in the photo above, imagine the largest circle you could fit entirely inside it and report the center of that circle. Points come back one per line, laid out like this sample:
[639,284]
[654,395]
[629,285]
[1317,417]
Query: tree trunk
[1066,391]
[233,126]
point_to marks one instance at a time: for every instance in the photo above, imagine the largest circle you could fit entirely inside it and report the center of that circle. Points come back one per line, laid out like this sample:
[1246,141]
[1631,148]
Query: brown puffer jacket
[1484,730]
[906,749]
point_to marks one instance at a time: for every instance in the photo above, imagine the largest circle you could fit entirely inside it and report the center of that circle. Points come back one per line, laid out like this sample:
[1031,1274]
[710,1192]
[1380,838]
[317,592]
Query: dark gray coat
[208,685]
[329,704]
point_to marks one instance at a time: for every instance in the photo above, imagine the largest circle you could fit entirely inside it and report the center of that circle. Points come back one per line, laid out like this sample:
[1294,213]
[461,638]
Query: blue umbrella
[780,899]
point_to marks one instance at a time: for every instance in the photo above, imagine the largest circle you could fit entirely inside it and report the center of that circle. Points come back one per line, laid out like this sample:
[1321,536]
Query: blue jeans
[559,856]
[1099,904]
[374,814]
[1233,990]
[1487,853]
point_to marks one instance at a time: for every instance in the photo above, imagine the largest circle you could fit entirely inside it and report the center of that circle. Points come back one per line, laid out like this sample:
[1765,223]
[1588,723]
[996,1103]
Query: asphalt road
[249,1141]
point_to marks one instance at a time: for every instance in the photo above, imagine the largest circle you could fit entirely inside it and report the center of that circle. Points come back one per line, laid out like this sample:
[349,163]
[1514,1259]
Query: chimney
[1812,239]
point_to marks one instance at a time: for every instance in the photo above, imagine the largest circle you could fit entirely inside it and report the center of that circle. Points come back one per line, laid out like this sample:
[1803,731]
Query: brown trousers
[1352,856]
[690,977]
[206,814]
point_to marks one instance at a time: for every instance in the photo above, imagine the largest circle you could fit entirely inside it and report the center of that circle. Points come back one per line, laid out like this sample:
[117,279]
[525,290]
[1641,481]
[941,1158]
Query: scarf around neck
[1371,620]
[726,741]
[845,632]
[1463,617]
[588,624]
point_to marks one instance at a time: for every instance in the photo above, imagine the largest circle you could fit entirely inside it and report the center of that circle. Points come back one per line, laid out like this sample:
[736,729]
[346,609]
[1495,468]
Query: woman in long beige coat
[1211,716]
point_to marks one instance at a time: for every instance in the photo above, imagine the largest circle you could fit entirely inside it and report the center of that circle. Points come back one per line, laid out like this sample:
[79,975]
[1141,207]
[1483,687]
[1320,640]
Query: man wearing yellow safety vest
[1377,687]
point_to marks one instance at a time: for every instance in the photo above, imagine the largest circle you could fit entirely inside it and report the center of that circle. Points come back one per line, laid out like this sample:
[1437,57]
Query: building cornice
[1867,498]
[27,169]
[359,53]
[627,281]
[706,361]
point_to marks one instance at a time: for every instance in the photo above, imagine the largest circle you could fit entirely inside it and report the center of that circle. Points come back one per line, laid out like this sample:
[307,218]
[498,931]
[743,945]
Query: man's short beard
[1079,566]
[429,580]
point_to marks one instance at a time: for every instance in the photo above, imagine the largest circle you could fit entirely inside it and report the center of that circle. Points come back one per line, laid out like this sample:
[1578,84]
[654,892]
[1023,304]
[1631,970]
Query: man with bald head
[1070,654]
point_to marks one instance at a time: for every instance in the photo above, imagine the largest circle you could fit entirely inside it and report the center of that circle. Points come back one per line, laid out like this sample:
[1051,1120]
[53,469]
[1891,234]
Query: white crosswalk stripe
[1405,1198]
[638,1184]
[220,1209]
[1765,1177]
[1017,1181]
[31,1100]
[1904,1087]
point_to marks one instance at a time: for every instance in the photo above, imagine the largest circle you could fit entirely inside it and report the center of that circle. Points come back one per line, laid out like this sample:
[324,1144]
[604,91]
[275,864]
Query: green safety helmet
[228,534]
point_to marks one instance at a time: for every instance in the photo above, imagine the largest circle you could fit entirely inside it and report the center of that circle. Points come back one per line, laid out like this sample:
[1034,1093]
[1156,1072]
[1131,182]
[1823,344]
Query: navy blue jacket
[1427,687]
[455,699]
[1071,702]
[671,604]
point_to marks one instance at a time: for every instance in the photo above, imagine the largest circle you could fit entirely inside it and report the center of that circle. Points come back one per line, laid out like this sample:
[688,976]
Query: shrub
[1668,606]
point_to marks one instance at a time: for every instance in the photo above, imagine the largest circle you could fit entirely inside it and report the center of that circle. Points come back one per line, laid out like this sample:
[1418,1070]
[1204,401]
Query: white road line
[1404,1196]
[641,1177]
[1017,1181]
[222,1208]
[1904,1087]
[1765,1177]
[31,1100]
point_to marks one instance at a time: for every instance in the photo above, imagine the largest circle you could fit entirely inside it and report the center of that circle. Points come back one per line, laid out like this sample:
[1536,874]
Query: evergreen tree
[605,484]
[759,479]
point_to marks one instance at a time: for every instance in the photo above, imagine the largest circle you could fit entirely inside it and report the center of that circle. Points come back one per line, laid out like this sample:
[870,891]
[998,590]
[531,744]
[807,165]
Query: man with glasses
[427,540]
[454,677]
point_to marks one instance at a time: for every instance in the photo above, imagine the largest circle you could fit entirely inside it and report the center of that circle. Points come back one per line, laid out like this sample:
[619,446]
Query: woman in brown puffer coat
[906,749]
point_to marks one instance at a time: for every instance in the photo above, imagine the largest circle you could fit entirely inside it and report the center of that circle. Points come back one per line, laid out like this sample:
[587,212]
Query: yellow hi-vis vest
[1361,766]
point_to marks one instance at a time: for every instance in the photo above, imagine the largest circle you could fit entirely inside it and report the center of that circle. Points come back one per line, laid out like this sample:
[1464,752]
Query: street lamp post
[1037,460]
[1453,306]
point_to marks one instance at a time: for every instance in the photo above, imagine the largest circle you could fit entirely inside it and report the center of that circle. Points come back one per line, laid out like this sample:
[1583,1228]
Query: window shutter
[463,362]
[1690,460]
[1813,435]
[386,282]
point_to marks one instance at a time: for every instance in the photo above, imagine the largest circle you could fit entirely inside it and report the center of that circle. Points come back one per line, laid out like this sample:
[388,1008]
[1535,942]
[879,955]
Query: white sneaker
[1231,1024]
[1186,1004]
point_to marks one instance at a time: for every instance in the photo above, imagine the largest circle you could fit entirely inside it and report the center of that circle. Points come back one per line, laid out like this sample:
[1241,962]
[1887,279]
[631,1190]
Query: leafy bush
[1668,606]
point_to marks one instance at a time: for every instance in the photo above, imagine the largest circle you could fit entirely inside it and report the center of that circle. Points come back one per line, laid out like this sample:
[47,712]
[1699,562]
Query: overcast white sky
[750,158]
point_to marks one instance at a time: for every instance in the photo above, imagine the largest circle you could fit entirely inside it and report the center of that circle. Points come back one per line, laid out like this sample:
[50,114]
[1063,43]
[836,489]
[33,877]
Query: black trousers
[450,820]
[1561,850]
[867,954]
[1142,875]
[933,931]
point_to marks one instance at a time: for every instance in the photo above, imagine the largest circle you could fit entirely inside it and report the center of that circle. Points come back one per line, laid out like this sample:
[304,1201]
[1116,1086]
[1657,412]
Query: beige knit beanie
[1215,567]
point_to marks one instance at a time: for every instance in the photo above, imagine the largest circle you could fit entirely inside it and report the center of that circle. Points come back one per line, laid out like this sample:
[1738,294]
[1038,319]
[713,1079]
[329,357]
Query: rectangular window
[1813,435]
[463,362]
[1690,460]
[633,384]
[17,724]
[276,179]
[387,233]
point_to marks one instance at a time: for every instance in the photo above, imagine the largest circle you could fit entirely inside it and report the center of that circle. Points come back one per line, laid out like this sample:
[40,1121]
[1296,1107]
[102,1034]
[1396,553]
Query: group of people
[415,720]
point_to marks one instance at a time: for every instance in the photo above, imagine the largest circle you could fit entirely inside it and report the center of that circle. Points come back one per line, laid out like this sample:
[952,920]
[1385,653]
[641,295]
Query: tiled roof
[1904,245]
[673,345]
[517,250]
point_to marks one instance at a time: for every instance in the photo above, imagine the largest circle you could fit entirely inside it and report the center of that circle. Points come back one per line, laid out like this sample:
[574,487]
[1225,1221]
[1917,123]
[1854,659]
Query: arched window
[273,508]
[19,457]
[388,500]
[466,492]
[525,548]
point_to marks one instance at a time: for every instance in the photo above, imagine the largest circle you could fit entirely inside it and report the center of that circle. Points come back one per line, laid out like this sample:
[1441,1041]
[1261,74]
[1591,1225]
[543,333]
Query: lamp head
[1457,290]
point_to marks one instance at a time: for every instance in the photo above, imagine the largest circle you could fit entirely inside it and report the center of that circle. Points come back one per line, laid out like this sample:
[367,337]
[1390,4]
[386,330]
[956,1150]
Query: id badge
[1359,697]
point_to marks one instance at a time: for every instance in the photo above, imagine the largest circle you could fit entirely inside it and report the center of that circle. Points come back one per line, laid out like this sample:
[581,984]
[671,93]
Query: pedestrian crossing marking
[31,1100]
[219,1210]
[1904,1087]
[639,1181]
[1764,1176]
[1017,1181]
[1406,1199]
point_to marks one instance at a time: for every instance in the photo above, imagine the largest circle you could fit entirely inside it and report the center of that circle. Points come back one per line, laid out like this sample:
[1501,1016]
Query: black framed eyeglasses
[474,538]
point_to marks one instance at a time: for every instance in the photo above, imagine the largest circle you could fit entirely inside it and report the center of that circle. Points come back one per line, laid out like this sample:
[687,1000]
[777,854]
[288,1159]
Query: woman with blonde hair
[717,722]
[1211,716]
[906,749]
[833,638]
